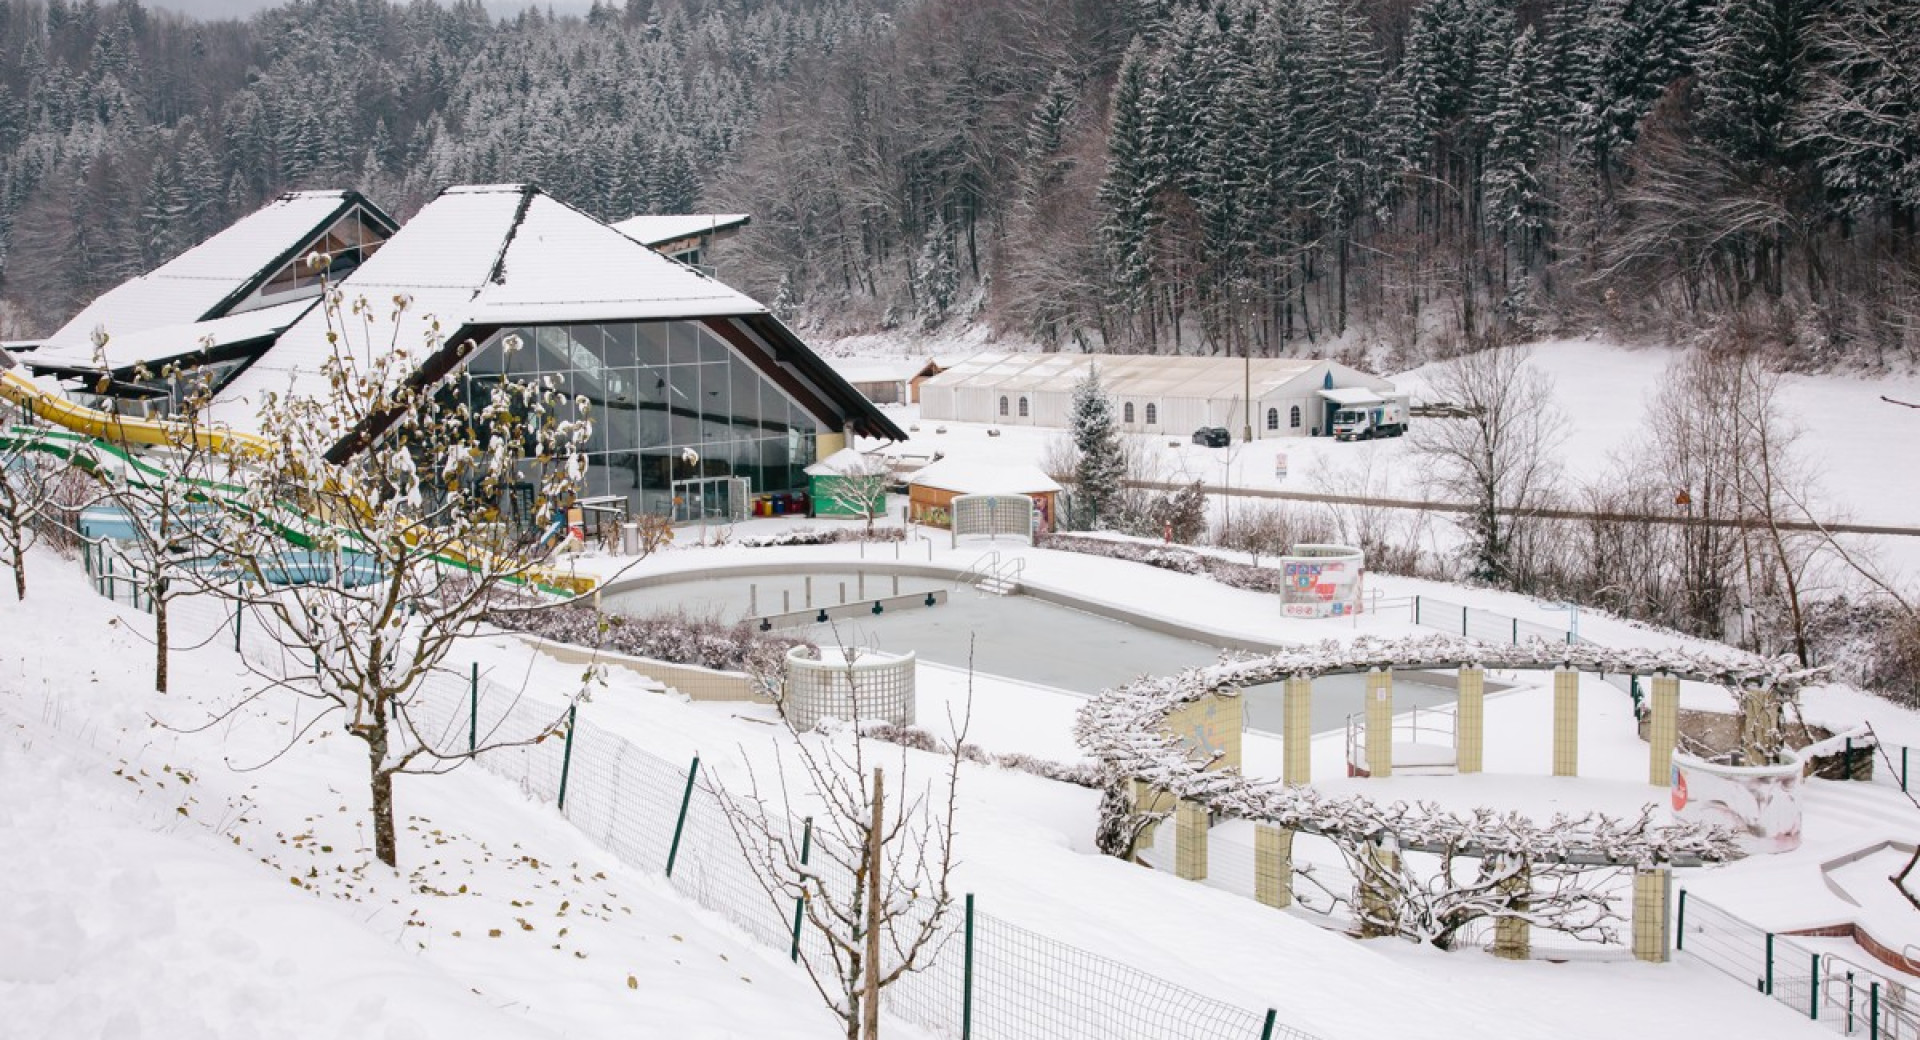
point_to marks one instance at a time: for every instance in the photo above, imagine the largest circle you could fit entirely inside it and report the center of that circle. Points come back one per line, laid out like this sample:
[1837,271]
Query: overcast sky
[241,8]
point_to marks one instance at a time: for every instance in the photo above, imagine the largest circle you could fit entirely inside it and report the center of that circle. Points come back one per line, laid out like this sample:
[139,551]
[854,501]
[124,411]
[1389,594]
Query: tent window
[1153,415]
[1294,417]
[1126,412]
[1273,418]
[1023,408]
[1003,406]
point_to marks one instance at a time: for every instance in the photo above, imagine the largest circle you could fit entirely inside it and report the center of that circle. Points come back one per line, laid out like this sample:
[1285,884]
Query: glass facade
[676,412]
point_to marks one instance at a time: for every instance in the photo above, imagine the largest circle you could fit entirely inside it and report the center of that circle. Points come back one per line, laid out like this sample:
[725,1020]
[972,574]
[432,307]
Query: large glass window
[670,401]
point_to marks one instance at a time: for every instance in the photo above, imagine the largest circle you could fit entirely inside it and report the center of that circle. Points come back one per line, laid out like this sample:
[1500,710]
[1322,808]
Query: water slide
[108,432]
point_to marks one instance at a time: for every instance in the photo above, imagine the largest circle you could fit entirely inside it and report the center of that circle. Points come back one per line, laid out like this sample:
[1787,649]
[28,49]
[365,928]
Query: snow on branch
[1124,729]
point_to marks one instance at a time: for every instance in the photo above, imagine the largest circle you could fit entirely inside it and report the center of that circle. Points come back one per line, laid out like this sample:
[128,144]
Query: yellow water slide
[24,393]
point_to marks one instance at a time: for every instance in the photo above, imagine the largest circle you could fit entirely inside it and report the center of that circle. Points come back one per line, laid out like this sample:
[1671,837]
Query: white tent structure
[1151,393]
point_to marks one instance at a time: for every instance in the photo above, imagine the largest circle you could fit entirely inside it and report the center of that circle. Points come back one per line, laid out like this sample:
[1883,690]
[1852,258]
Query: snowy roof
[489,255]
[198,283]
[167,342]
[846,461]
[1145,375]
[970,477]
[881,370]
[1350,396]
[660,230]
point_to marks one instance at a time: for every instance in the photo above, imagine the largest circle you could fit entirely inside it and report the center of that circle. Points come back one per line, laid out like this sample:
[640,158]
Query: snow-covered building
[931,491]
[1290,397]
[686,237]
[701,399]
[886,380]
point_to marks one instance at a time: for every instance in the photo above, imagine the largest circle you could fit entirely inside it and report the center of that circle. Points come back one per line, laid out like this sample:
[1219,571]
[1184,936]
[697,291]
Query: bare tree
[367,558]
[163,492]
[1498,459]
[29,485]
[871,871]
[863,488]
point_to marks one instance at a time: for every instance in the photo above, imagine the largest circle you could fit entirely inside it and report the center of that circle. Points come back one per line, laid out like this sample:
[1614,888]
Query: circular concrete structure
[851,683]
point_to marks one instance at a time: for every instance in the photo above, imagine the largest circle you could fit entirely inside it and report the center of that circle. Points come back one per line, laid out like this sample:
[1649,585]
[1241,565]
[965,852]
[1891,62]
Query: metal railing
[1825,987]
[1406,729]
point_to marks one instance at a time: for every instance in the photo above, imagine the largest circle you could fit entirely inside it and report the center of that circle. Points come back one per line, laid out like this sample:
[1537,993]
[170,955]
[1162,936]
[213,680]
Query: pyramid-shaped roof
[486,256]
[203,282]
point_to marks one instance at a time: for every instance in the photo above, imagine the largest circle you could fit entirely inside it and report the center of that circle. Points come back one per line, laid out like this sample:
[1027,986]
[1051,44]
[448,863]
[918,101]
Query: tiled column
[1296,741]
[1190,841]
[1664,730]
[1273,865]
[1511,935]
[1148,799]
[1380,722]
[1759,724]
[1652,927]
[1376,898]
[1470,720]
[1566,722]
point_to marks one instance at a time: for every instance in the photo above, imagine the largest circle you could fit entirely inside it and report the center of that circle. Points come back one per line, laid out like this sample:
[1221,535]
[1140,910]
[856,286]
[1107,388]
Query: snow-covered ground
[1862,451]
[208,901]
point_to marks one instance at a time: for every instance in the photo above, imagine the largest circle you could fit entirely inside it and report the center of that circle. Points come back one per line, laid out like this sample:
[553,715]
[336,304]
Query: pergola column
[1512,936]
[1652,924]
[1296,740]
[1376,895]
[1190,822]
[1566,722]
[1148,799]
[1663,731]
[1273,865]
[1379,722]
[1470,720]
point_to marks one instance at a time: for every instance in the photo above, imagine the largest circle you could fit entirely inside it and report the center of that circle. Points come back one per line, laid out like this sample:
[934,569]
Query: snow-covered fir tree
[1102,462]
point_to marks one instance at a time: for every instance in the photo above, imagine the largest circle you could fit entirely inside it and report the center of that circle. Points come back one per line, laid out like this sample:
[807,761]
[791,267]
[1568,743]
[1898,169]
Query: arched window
[1023,408]
[1003,406]
[1126,412]
[1153,415]
[1273,418]
[1294,417]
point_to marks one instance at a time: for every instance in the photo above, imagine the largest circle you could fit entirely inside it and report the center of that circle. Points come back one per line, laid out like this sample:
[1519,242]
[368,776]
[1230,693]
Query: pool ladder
[994,577]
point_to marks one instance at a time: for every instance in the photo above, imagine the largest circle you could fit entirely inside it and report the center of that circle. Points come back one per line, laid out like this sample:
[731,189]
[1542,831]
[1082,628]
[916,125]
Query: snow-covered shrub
[672,636]
[825,536]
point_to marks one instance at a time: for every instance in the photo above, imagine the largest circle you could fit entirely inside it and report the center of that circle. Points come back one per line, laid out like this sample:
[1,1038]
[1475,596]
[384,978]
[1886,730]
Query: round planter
[1760,804]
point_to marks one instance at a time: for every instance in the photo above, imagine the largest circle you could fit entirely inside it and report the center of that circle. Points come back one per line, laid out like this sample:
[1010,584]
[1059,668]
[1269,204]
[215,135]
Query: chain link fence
[1489,626]
[981,977]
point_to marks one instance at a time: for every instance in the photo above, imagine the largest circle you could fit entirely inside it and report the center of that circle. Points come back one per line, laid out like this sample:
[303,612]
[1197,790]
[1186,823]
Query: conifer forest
[1415,177]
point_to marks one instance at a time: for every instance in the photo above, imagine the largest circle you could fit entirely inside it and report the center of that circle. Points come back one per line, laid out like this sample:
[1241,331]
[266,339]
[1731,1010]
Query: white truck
[1385,417]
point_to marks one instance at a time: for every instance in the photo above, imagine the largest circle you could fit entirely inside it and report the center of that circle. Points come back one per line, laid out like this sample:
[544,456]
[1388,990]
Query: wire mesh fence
[1489,626]
[977,977]
[1799,974]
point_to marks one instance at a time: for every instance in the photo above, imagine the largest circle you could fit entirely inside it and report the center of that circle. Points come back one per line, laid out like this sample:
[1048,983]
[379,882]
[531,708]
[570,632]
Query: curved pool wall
[1045,636]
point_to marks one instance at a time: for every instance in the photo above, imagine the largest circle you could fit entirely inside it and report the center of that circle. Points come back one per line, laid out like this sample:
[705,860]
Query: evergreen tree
[1127,192]
[1101,466]
[937,276]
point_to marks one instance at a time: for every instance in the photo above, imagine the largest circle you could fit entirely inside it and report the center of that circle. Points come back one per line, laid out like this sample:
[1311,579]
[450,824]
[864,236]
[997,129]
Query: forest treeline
[1266,176]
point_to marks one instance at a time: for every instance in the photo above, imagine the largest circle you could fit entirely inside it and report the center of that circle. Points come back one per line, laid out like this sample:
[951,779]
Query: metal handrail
[1408,724]
[1897,1021]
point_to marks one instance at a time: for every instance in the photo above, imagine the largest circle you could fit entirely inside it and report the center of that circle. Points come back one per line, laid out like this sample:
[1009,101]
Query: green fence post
[566,759]
[473,710]
[1767,987]
[1266,1031]
[239,608]
[1680,925]
[1873,1011]
[1813,1001]
[1463,622]
[1516,632]
[680,825]
[800,904]
[1416,610]
[966,978]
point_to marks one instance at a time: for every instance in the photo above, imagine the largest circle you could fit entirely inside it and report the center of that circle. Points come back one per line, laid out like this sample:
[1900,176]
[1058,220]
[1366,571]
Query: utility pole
[1246,391]
[870,1027]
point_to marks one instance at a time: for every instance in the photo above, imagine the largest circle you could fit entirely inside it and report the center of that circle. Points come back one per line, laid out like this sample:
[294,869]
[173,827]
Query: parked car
[1212,436]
